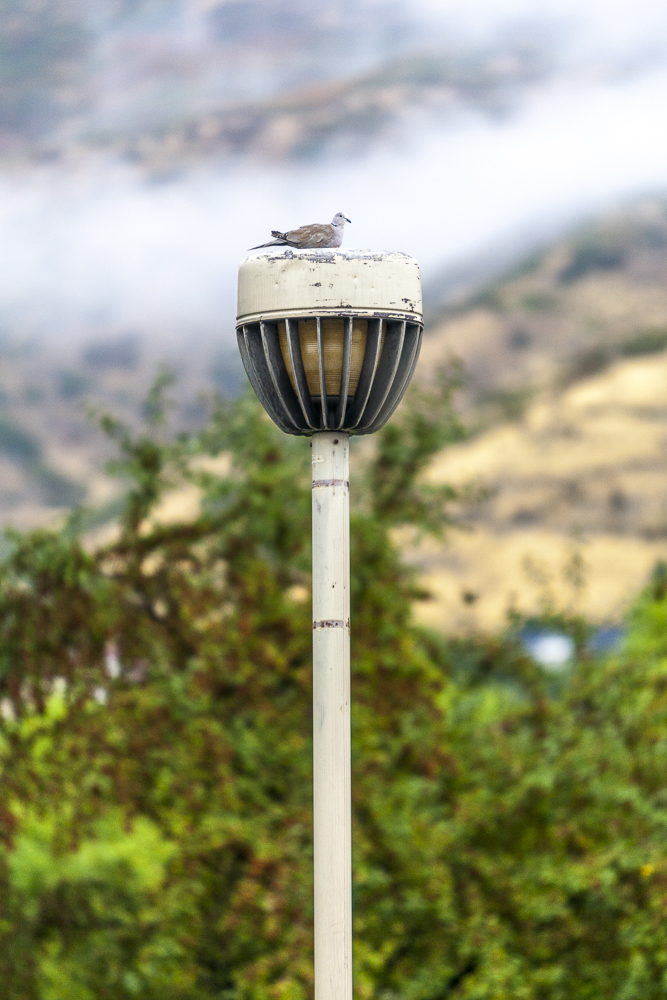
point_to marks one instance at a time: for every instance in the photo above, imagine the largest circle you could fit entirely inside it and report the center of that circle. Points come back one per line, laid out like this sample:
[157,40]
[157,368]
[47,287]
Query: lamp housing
[329,338]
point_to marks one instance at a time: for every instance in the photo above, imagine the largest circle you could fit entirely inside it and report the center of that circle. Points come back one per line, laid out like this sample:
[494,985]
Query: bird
[318,236]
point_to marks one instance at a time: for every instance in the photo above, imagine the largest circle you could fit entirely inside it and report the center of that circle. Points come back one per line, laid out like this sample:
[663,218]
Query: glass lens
[333,336]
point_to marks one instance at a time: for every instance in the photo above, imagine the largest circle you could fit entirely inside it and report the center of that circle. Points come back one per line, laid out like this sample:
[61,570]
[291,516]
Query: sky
[595,25]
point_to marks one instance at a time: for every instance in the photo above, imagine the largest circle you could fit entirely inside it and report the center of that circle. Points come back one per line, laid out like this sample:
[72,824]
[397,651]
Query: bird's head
[339,219]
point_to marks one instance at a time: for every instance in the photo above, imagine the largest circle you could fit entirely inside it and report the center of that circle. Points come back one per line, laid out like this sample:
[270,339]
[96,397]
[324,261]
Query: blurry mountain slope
[44,48]
[337,116]
[567,385]
[563,312]
[52,450]
[576,510]
[171,83]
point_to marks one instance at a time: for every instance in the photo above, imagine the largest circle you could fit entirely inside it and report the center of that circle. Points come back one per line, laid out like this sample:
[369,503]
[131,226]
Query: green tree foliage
[509,834]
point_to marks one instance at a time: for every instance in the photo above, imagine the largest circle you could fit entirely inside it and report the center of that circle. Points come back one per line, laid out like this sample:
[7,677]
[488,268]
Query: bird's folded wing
[311,236]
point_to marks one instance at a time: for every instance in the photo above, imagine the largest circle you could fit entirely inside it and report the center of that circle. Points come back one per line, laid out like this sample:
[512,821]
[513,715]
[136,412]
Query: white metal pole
[331,716]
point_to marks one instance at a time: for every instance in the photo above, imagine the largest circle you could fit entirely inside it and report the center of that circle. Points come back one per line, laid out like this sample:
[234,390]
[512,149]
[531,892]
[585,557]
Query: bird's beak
[347,220]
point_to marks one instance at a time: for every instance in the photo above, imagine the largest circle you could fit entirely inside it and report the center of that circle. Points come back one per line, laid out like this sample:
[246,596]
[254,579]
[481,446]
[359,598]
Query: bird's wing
[313,236]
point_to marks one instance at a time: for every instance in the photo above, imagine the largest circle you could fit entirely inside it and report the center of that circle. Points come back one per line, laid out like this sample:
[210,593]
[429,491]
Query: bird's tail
[279,241]
[273,243]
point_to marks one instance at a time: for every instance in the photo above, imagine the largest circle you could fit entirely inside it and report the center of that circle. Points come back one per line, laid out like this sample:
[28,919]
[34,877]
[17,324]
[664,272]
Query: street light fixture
[329,340]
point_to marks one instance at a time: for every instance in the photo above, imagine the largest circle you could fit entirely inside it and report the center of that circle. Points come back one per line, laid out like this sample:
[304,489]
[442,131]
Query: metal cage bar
[300,381]
[344,375]
[368,370]
[278,372]
[254,362]
[386,370]
[322,378]
[404,370]
[391,354]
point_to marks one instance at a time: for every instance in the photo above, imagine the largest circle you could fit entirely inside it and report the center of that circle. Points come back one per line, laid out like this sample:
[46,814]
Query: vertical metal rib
[368,369]
[320,371]
[254,362]
[386,371]
[418,346]
[405,371]
[300,381]
[278,372]
[345,374]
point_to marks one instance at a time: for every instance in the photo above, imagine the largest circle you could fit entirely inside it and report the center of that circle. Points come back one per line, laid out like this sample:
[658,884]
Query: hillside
[173,85]
[576,511]
[567,397]
[565,312]
[343,115]
[52,450]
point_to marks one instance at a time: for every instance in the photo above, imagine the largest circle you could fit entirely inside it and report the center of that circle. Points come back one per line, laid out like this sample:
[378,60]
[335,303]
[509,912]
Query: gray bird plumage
[318,236]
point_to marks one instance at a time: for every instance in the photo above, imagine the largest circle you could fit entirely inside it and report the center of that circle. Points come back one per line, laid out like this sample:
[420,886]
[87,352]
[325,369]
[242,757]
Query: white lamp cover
[292,283]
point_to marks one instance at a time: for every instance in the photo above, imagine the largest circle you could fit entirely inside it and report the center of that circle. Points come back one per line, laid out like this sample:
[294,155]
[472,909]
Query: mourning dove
[318,236]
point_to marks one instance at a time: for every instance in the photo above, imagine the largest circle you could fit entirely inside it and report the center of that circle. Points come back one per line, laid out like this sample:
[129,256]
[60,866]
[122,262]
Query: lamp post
[329,340]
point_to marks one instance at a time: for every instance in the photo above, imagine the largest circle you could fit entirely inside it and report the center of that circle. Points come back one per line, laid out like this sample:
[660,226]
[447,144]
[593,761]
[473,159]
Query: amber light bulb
[333,338]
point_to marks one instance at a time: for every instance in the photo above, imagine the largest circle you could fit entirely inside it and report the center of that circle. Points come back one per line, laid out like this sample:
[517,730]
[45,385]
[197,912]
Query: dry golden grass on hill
[567,389]
[577,508]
